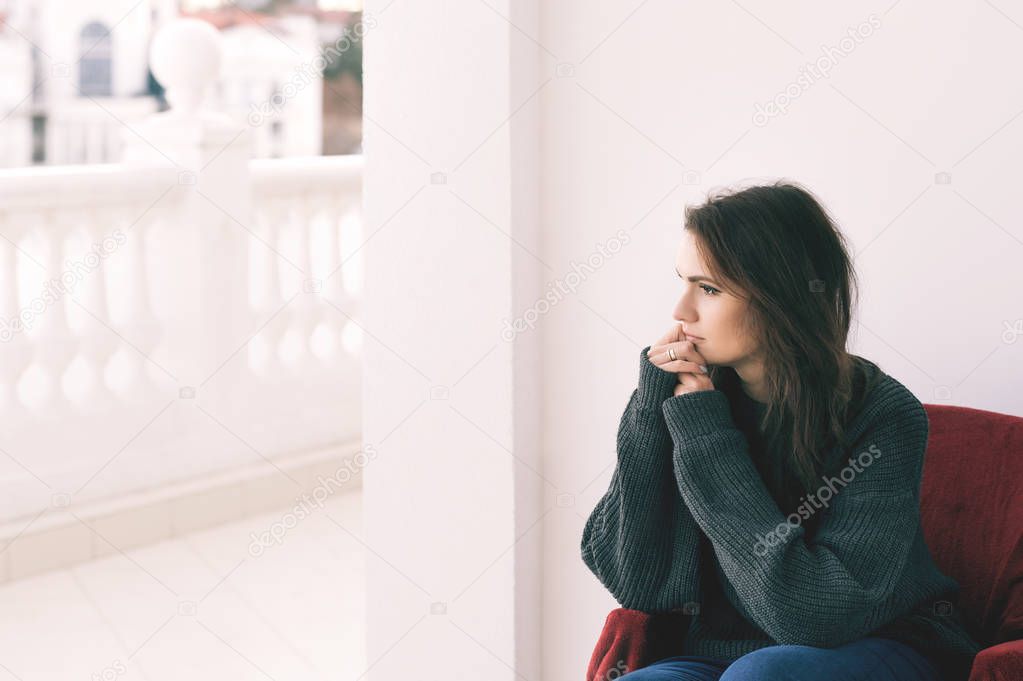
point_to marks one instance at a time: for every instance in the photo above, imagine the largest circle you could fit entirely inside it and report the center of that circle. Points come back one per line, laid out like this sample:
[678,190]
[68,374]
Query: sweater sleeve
[818,592]
[640,541]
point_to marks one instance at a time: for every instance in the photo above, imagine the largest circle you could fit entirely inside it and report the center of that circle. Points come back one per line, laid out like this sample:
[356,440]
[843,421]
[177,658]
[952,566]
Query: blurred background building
[76,73]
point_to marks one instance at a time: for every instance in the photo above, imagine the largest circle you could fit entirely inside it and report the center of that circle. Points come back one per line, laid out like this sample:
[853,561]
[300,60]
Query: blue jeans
[866,659]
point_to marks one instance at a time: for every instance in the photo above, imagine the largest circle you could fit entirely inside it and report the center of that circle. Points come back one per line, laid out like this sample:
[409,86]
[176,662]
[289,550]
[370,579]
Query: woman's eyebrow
[696,278]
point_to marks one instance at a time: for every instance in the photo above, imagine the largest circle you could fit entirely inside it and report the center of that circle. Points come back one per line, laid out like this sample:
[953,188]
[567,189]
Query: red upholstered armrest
[1002,662]
[632,639]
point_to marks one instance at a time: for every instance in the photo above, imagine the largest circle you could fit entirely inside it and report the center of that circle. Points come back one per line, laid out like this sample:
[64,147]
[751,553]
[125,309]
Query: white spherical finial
[185,59]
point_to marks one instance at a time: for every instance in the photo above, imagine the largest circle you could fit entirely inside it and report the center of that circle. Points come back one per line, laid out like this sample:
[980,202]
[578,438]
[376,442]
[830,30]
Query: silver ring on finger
[671,354]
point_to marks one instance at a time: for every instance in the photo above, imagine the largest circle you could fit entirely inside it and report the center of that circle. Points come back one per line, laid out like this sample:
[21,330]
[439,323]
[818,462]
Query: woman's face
[707,310]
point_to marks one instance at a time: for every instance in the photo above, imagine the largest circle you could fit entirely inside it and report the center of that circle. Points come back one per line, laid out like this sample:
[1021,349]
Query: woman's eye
[709,290]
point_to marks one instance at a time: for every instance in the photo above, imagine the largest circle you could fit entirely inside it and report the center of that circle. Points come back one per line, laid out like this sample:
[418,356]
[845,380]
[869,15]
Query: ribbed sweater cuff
[697,413]
[655,384]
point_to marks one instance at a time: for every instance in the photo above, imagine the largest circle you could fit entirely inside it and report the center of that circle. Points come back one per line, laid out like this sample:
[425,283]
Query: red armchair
[972,515]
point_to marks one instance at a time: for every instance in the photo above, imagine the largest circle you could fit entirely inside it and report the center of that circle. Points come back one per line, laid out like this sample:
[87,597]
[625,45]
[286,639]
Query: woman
[767,481]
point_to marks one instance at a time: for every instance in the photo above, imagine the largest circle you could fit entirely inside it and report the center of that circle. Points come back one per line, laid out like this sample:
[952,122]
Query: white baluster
[271,215]
[333,285]
[15,351]
[142,327]
[54,345]
[99,342]
[350,214]
[308,303]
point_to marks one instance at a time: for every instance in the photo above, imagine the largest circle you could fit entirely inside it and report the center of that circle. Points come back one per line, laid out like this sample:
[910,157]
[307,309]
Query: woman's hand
[688,364]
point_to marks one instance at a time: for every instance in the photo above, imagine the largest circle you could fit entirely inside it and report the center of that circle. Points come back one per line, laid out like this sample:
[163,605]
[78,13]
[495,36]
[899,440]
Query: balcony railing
[186,311]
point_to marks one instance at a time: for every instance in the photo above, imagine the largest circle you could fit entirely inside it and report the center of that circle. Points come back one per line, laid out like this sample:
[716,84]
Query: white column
[453,512]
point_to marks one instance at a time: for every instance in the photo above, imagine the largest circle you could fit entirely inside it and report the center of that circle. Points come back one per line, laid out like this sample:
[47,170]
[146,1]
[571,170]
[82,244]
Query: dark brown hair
[776,247]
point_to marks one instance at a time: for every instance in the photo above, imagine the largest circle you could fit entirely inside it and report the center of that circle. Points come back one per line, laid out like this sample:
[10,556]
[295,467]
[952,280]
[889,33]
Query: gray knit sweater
[688,522]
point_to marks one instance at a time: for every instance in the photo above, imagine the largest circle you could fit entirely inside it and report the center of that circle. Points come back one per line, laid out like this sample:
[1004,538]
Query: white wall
[654,105]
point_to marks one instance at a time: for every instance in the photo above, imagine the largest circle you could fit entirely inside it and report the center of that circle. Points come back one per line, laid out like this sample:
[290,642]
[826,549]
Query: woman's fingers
[683,350]
[687,358]
[681,366]
[689,383]
[680,346]
[673,336]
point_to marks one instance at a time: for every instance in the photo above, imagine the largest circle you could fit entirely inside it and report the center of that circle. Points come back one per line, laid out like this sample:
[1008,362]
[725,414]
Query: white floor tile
[201,606]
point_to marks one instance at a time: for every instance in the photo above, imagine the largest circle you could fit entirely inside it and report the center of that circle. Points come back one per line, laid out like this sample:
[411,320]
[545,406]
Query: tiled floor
[200,607]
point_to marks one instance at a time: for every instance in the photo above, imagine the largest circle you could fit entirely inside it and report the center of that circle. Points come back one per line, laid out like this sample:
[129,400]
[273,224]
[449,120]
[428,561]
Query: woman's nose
[682,313]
